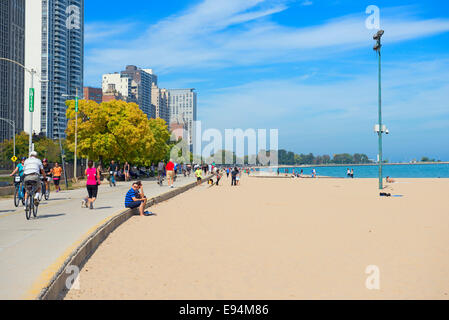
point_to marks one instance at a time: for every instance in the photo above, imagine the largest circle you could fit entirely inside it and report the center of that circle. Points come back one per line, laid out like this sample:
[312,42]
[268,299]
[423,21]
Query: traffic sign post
[14,159]
[76,104]
[31,99]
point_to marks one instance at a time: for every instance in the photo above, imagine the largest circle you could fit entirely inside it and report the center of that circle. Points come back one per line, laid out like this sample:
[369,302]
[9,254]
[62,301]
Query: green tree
[161,135]
[111,130]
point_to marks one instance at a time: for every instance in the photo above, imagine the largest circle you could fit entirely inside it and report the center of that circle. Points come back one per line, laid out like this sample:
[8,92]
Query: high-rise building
[134,85]
[159,100]
[183,104]
[12,46]
[54,47]
[94,94]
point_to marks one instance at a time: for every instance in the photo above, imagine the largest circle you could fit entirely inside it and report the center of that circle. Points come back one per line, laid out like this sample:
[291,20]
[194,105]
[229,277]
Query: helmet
[45,160]
[23,158]
[33,154]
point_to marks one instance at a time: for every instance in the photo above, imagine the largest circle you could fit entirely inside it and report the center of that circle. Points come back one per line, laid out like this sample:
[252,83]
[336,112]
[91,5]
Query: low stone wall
[56,289]
[6,191]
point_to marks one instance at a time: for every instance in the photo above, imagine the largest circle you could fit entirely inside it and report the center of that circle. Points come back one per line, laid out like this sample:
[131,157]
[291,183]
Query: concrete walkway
[30,251]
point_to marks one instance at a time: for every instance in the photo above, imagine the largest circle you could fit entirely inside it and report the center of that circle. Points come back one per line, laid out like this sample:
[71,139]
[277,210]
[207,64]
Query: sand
[280,239]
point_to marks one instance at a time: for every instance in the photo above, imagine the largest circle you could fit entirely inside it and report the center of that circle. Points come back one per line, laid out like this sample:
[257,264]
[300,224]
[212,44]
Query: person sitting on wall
[135,198]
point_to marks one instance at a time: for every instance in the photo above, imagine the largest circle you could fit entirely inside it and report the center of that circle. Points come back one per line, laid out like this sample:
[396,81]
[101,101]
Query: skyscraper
[12,46]
[159,100]
[55,48]
[183,104]
[134,85]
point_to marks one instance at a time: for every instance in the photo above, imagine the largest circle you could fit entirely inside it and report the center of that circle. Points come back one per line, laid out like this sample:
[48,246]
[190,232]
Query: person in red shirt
[170,169]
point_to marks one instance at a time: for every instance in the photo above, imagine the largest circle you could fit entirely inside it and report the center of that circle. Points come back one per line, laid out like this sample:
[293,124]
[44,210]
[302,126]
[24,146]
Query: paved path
[30,251]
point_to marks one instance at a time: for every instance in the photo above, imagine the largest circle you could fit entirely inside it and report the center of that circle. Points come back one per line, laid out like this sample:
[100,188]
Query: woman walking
[93,181]
[56,173]
[126,169]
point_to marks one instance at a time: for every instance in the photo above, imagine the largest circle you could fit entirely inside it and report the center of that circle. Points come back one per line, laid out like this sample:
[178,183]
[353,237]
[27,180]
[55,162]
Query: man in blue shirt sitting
[135,198]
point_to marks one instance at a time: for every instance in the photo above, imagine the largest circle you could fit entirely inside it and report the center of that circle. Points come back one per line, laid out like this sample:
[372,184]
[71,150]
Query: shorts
[56,180]
[170,174]
[198,179]
[133,205]
[92,190]
[31,178]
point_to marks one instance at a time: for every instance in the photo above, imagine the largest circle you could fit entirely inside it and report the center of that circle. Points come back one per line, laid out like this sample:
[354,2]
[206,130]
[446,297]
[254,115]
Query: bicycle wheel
[47,193]
[35,207]
[42,191]
[28,203]
[16,197]
[22,193]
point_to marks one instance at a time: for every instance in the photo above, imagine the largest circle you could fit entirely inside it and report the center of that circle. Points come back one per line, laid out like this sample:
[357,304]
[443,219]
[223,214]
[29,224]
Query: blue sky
[304,67]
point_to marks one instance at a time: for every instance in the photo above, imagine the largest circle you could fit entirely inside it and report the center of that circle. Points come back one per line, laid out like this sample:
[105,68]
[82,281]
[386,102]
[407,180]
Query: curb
[56,288]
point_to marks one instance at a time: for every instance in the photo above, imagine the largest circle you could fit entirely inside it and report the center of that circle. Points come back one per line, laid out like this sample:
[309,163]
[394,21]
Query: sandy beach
[280,239]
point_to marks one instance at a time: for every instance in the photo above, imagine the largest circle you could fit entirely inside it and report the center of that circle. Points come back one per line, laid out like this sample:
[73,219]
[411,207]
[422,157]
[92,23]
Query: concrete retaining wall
[56,289]
[7,191]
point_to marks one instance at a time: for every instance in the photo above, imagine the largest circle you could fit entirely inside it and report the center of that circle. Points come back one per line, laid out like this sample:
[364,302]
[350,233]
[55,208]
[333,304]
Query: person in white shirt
[32,168]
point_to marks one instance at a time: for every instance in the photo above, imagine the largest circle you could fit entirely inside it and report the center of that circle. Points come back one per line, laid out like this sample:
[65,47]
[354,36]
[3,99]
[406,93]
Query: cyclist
[48,170]
[19,170]
[113,172]
[160,172]
[32,169]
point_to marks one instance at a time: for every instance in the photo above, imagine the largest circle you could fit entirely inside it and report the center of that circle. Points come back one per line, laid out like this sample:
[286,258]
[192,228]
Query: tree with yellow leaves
[114,130]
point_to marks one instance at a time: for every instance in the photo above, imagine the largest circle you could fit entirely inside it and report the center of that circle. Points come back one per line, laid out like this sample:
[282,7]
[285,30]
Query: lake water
[372,171]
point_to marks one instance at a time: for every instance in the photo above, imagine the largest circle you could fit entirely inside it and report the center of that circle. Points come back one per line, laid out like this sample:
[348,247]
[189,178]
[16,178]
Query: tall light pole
[32,72]
[380,130]
[76,132]
[13,124]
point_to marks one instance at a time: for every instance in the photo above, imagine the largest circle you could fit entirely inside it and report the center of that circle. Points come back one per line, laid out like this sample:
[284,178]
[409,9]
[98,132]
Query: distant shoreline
[354,165]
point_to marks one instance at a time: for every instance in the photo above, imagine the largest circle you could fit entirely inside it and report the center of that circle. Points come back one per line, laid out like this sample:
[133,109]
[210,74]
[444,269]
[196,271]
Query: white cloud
[239,33]
[312,116]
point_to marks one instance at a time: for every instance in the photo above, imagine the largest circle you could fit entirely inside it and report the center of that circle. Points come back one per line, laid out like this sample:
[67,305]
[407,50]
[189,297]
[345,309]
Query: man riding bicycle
[32,169]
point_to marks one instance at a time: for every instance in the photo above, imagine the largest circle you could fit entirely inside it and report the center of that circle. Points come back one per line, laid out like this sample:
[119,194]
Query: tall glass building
[55,48]
[12,46]
[182,104]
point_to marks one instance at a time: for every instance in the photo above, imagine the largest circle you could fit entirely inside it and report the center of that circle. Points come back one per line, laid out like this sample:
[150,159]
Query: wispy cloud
[312,116]
[215,34]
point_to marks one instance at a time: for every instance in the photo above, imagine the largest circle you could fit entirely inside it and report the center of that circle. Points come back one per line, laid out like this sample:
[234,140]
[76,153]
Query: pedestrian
[126,169]
[234,175]
[198,174]
[93,181]
[170,169]
[135,198]
[112,173]
[56,173]
[352,173]
[218,175]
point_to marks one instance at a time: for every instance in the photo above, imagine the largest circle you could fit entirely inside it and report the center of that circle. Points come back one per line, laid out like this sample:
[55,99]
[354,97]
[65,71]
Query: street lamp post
[377,48]
[76,132]
[32,72]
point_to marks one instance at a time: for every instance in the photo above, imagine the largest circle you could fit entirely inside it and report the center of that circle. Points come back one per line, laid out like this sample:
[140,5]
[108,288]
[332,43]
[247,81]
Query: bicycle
[45,193]
[160,180]
[112,179]
[30,204]
[18,194]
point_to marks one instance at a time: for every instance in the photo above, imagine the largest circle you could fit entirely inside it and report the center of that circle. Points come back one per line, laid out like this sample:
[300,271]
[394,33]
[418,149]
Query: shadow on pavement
[101,208]
[6,211]
[50,216]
